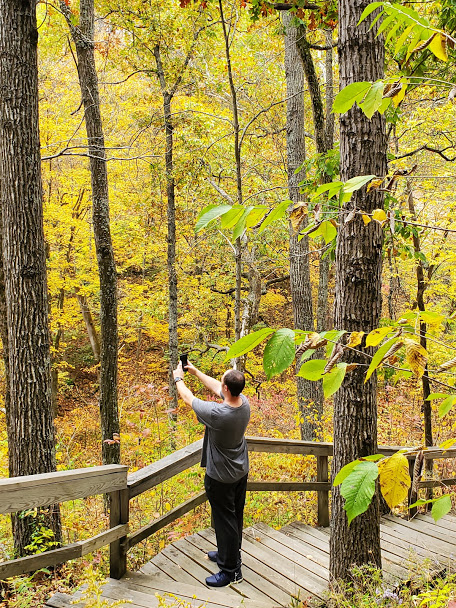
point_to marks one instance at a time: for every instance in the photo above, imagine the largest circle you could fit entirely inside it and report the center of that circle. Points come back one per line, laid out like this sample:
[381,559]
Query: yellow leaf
[168,506]
[447,444]
[416,357]
[394,479]
[298,215]
[399,96]
[376,335]
[379,215]
[438,46]
[375,183]
[366,219]
[355,338]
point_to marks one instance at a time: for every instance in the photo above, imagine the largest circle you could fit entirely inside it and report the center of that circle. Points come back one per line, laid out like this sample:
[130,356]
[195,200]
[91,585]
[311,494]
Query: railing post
[323,495]
[118,514]
[412,496]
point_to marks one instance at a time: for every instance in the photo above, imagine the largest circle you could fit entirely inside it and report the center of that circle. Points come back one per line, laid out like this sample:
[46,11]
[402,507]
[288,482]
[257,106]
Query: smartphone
[184,361]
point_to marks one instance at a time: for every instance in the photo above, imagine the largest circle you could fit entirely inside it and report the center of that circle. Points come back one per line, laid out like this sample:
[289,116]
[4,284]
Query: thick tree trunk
[83,37]
[309,394]
[358,288]
[30,416]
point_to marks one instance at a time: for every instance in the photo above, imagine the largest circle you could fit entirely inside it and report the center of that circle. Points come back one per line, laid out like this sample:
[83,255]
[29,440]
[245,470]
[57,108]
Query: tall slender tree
[363,147]
[83,38]
[309,394]
[29,408]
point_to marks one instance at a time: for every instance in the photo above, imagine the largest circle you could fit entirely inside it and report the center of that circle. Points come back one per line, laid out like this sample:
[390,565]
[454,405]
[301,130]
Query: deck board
[277,565]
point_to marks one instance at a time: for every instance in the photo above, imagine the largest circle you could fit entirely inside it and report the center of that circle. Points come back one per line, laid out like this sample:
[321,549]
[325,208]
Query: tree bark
[309,394]
[358,288]
[30,416]
[238,245]
[90,326]
[421,285]
[171,215]
[83,37]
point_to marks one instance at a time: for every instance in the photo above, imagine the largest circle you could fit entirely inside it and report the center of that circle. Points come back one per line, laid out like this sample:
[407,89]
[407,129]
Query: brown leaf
[448,365]
[351,367]
[351,216]
[392,350]
[336,354]
[298,215]
[416,357]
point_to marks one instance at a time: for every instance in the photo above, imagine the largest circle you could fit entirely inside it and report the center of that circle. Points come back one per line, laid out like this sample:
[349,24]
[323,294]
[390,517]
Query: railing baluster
[119,513]
[323,495]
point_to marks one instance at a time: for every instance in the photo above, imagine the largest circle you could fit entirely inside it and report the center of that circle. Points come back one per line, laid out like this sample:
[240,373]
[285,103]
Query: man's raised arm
[211,383]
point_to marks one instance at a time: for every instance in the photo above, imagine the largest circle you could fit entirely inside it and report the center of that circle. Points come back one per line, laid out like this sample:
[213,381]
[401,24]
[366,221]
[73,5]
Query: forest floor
[148,435]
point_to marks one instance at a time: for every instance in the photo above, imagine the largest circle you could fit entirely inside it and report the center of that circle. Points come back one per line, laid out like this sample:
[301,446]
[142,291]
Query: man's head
[234,381]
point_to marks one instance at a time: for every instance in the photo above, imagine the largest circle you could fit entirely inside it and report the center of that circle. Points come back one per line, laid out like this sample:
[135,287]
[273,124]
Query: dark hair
[235,381]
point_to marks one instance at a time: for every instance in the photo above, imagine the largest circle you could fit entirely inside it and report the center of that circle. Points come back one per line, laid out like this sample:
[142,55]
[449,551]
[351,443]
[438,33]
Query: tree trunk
[30,416]
[358,288]
[324,262]
[237,156]
[90,326]
[421,285]
[83,37]
[171,215]
[309,394]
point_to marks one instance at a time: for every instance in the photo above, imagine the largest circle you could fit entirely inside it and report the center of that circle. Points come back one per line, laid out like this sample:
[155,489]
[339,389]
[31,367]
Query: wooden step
[219,597]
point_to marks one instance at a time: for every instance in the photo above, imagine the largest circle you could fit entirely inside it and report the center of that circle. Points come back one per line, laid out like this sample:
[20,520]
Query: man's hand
[191,368]
[178,372]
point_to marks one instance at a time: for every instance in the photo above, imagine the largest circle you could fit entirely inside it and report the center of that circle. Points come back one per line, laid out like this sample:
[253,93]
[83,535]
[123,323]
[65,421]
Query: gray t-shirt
[225,454]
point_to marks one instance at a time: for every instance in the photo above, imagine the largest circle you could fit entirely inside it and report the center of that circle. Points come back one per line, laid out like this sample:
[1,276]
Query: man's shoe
[237,577]
[219,579]
[213,555]
[222,579]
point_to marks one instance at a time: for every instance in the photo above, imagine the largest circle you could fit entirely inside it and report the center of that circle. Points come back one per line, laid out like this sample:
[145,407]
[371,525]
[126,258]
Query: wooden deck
[277,565]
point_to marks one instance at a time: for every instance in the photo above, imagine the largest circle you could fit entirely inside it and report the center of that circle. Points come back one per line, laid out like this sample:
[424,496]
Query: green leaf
[355,183]
[231,218]
[278,213]
[210,213]
[306,355]
[325,230]
[384,105]
[405,34]
[373,99]
[352,93]
[370,8]
[441,507]
[279,352]
[348,468]
[358,488]
[255,215]
[313,369]
[248,343]
[333,380]
[446,405]
[332,336]
[384,348]
[331,188]
[240,226]
[437,396]
[385,23]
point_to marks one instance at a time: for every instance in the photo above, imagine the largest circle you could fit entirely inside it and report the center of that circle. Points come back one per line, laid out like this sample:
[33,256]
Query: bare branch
[221,191]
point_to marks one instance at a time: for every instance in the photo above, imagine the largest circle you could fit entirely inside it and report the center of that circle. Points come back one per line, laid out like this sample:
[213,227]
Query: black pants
[227,503]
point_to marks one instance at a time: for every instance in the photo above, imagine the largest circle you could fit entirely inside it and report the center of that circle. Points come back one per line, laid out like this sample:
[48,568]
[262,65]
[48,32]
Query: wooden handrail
[26,492]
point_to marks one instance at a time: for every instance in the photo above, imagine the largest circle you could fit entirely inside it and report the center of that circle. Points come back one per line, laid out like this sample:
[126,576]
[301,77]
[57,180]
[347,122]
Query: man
[226,460]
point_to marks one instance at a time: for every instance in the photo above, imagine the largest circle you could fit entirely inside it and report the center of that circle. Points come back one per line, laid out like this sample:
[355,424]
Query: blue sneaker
[222,579]
[213,555]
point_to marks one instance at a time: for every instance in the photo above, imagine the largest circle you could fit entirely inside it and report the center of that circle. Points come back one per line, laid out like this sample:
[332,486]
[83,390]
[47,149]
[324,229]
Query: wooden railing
[19,493]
